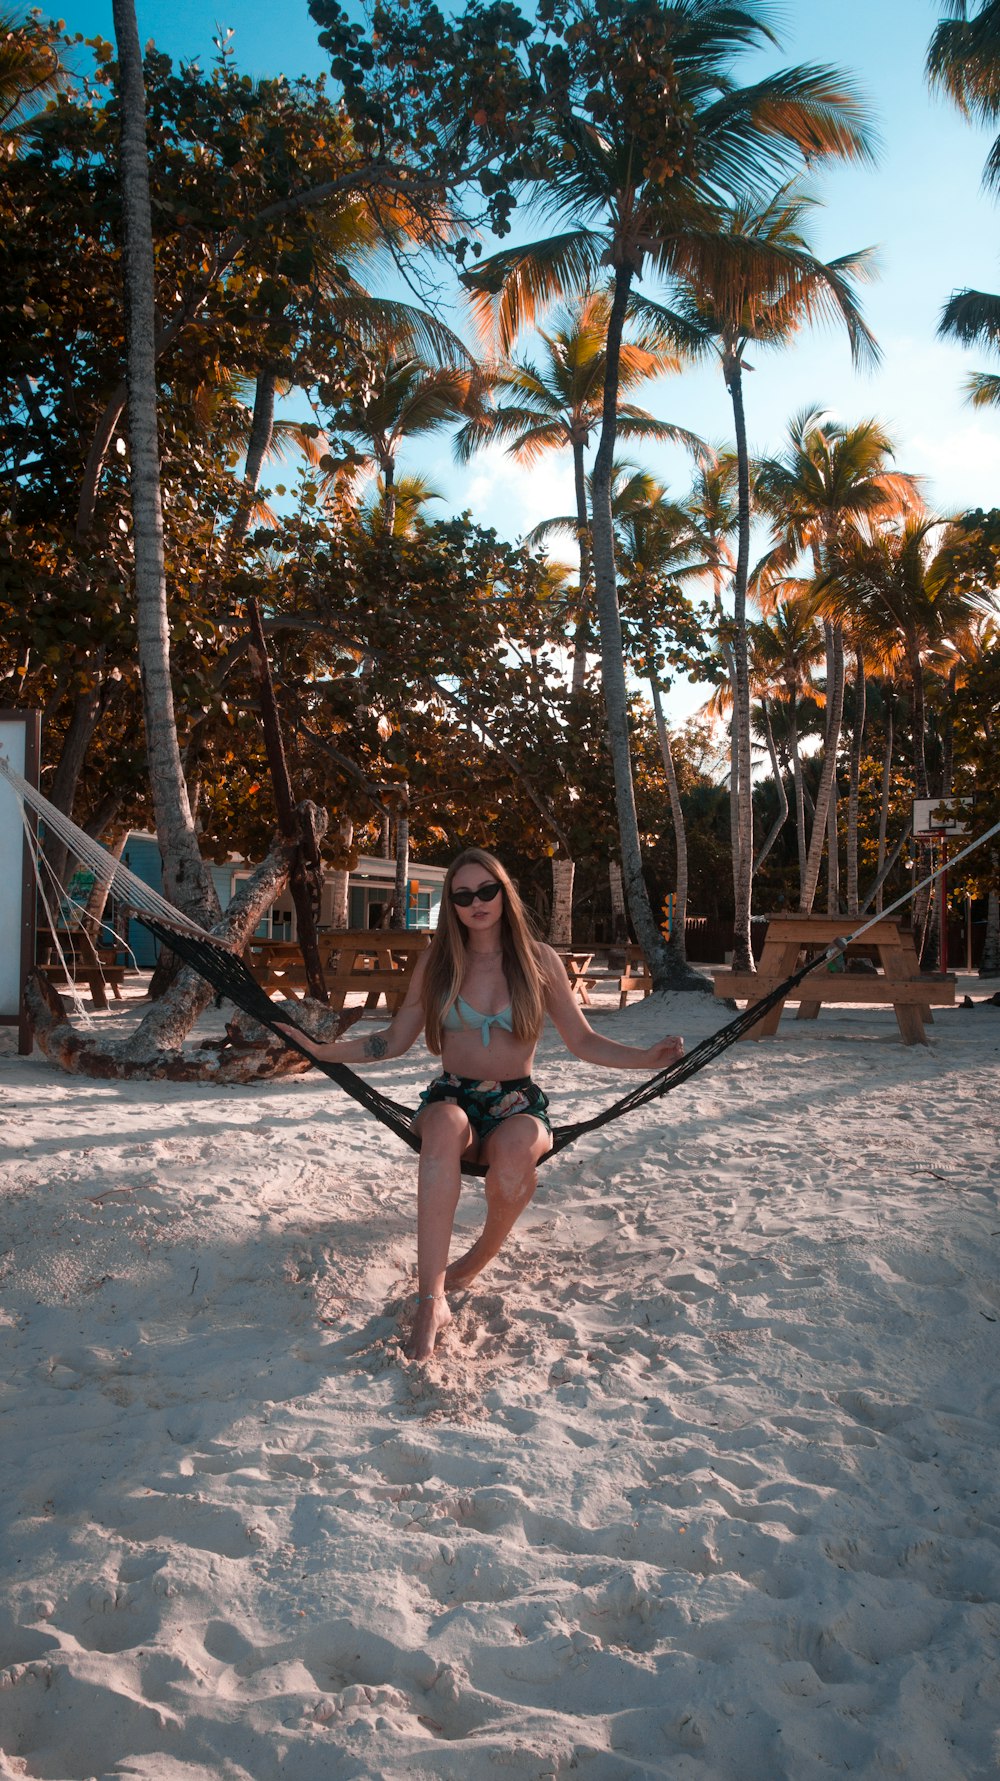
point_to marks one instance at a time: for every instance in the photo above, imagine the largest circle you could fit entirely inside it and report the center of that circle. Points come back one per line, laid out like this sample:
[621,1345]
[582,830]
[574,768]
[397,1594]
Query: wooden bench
[636,976]
[900,982]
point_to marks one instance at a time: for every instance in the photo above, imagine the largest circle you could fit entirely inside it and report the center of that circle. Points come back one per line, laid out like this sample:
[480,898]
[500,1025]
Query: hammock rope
[233,981]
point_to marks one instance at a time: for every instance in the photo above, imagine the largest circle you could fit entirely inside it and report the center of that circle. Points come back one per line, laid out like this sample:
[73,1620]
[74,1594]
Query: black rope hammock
[231,979]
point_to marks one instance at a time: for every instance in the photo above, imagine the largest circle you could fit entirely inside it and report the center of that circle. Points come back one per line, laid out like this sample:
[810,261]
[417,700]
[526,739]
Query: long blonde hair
[447,957]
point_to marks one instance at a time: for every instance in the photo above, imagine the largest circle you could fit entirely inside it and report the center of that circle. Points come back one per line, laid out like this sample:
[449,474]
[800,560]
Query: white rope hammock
[130,890]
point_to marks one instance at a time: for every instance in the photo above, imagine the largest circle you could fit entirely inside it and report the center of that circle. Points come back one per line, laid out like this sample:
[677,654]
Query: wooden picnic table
[888,945]
[85,963]
[576,965]
[378,961]
[584,975]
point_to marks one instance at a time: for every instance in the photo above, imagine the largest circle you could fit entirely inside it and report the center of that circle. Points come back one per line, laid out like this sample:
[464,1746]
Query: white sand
[703,1484]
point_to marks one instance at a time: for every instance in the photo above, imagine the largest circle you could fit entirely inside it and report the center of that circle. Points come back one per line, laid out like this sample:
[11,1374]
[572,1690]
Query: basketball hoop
[934,818]
[937,820]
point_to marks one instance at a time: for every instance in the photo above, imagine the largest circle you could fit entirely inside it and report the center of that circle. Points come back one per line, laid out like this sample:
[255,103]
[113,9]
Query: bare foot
[465,1269]
[432,1316]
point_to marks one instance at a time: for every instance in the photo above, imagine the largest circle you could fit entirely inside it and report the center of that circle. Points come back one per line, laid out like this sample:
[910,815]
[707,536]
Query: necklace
[486,958]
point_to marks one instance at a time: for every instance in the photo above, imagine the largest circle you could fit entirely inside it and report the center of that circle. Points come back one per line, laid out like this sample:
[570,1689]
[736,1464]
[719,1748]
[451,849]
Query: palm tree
[756,281]
[973,317]
[408,399]
[410,496]
[964,61]
[828,480]
[884,574]
[559,405]
[188,882]
[644,155]
[788,645]
[714,519]
[659,549]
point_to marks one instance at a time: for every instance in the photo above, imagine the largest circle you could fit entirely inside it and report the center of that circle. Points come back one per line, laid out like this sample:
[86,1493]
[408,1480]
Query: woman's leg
[510,1154]
[445,1138]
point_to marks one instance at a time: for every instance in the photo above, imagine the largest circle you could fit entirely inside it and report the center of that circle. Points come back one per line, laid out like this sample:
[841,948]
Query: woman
[480,994]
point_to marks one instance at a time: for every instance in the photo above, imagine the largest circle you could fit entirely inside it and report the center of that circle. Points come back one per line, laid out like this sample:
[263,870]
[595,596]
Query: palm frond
[982,390]
[510,290]
[633,423]
[383,322]
[525,434]
[973,317]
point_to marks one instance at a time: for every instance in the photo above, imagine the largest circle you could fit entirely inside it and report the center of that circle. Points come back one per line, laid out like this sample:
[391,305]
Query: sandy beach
[701,1484]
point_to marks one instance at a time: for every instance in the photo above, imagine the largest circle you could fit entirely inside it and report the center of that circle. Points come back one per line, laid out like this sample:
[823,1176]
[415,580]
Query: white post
[20,744]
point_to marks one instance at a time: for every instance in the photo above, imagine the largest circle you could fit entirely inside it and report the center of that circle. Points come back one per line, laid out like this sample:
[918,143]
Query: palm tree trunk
[307,865]
[742,951]
[860,703]
[561,921]
[388,496]
[799,789]
[187,881]
[779,784]
[340,911]
[678,936]
[97,902]
[924,902]
[833,851]
[582,636]
[734,773]
[258,446]
[834,718]
[886,786]
[65,780]
[948,736]
[613,655]
[616,892]
[401,891]
[990,963]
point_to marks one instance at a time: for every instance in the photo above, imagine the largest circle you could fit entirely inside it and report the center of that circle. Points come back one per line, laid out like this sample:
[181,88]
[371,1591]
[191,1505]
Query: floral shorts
[488,1104]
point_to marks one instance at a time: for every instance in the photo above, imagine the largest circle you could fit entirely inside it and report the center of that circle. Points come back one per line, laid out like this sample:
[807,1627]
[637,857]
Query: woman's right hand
[314,1046]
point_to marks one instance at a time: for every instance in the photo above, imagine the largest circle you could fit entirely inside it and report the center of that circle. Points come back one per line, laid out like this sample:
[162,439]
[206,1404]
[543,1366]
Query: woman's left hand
[663,1053]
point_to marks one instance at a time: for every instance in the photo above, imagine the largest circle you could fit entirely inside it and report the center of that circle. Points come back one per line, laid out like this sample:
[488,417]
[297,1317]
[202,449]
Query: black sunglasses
[485,894]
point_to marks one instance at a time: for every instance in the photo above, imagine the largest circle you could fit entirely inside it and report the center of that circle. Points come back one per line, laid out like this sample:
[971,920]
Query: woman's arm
[392,1041]
[579,1036]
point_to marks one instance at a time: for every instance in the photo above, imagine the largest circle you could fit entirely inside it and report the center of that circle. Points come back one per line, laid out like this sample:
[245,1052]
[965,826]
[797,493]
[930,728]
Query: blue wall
[142,856]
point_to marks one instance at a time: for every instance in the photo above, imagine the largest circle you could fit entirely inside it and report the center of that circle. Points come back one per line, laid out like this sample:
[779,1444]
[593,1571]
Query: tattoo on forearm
[376,1046]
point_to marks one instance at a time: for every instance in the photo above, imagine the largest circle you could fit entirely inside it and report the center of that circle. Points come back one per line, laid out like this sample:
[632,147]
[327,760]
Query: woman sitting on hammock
[480,994]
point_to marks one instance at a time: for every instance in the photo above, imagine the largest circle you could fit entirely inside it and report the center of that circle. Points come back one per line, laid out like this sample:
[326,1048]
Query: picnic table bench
[900,981]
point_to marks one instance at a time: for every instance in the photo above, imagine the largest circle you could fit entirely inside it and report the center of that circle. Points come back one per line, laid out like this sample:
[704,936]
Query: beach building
[370,890]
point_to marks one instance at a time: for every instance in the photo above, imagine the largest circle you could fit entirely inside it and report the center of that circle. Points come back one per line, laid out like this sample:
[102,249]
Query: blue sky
[923,208]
